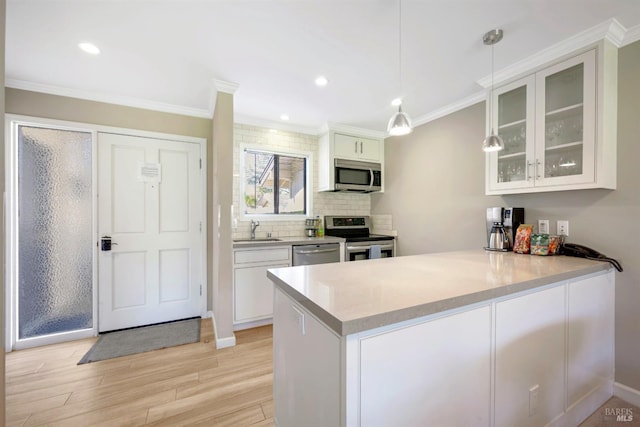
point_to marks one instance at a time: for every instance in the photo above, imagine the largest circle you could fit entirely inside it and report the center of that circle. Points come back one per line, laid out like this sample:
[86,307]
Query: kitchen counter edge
[288,241]
[352,326]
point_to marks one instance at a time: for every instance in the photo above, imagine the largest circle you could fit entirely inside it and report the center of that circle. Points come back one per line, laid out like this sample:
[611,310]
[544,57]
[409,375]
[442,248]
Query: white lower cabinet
[590,349]
[443,380]
[306,368]
[252,290]
[529,354]
[541,357]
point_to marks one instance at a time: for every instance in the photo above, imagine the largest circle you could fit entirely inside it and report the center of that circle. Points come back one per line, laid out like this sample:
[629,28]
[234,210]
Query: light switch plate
[543,226]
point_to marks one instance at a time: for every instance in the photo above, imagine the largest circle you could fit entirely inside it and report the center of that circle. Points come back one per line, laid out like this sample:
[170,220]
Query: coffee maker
[502,224]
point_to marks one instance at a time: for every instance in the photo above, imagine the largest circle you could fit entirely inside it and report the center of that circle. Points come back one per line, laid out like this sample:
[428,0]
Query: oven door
[360,251]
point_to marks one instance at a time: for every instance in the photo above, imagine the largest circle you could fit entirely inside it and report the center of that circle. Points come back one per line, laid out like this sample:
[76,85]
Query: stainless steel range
[360,244]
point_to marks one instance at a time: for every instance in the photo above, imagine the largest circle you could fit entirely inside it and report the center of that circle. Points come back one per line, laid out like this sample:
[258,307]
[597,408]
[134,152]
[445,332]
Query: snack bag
[554,244]
[522,244]
[540,244]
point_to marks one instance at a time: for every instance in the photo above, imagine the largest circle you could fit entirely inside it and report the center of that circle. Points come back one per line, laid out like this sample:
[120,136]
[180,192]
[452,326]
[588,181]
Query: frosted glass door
[512,127]
[55,244]
[566,101]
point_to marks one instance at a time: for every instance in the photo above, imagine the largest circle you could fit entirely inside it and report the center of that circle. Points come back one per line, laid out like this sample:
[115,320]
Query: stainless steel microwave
[354,175]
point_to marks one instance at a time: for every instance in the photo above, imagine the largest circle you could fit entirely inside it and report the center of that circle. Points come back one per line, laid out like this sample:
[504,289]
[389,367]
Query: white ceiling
[166,54]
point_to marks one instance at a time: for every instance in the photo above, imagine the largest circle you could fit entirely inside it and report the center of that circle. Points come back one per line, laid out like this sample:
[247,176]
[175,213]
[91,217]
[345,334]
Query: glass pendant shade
[399,124]
[493,143]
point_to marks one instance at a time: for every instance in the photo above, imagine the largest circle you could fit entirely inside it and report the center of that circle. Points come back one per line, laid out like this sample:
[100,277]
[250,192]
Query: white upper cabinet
[356,148]
[558,126]
[342,144]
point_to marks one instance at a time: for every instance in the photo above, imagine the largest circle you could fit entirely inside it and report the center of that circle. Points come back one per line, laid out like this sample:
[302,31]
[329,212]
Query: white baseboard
[224,341]
[584,407]
[627,393]
[254,324]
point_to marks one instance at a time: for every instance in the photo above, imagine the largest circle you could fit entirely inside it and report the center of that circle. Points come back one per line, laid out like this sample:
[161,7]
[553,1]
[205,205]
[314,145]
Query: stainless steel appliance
[316,254]
[354,175]
[360,244]
[502,224]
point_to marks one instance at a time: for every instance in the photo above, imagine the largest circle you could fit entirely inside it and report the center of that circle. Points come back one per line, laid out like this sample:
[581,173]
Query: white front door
[150,204]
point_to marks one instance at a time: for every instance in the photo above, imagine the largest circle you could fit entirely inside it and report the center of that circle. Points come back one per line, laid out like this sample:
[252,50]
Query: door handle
[106,243]
[360,147]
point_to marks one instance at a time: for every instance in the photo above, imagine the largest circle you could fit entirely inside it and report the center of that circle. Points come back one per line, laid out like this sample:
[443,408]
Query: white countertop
[356,296]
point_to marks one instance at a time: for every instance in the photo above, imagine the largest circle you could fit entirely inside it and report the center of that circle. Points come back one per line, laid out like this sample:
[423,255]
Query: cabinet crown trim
[610,30]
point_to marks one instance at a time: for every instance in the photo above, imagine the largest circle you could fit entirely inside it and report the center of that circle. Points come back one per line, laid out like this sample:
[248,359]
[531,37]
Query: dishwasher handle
[315,251]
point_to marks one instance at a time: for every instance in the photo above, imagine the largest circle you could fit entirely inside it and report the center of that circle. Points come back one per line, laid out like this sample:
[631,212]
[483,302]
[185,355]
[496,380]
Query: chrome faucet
[254,225]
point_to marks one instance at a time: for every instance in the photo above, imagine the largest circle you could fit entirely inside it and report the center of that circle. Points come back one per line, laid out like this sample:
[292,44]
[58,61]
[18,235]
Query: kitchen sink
[267,239]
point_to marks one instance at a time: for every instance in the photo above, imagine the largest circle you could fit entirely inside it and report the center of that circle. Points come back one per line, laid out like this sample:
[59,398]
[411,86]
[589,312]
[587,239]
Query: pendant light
[492,142]
[399,123]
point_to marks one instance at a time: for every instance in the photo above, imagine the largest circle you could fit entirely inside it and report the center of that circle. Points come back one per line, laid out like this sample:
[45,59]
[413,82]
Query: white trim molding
[632,35]
[109,99]
[451,108]
[221,342]
[353,130]
[225,87]
[610,30]
[626,393]
[270,124]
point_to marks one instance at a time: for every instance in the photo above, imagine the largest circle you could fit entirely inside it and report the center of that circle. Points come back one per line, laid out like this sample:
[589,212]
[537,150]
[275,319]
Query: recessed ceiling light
[89,48]
[321,81]
[284,117]
[396,102]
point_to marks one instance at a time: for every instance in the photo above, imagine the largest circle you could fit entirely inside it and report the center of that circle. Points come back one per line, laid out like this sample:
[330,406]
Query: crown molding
[353,130]
[270,124]
[224,86]
[451,108]
[109,99]
[610,30]
[632,35]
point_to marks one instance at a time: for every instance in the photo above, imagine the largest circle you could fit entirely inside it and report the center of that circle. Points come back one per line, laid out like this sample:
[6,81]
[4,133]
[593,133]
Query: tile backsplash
[324,203]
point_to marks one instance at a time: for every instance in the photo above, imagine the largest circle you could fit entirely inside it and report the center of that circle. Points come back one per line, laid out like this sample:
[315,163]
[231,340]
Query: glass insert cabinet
[555,132]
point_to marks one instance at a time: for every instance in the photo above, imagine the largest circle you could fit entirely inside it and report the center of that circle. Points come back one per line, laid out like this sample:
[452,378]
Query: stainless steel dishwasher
[320,253]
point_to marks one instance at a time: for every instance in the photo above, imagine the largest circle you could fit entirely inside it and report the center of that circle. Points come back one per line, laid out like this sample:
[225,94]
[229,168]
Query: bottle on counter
[320,230]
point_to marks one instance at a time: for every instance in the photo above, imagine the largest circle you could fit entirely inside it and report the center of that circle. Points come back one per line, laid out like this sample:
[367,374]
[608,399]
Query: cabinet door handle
[360,147]
[355,148]
[538,163]
[529,164]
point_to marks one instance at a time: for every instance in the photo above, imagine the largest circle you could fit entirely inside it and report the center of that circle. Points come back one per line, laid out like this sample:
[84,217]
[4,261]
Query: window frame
[307,155]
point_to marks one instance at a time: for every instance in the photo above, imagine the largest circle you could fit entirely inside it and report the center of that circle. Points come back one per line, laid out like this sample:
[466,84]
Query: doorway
[61,286]
[150,209]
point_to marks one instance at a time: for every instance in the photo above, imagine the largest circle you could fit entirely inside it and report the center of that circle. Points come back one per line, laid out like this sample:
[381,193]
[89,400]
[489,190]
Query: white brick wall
[323,203]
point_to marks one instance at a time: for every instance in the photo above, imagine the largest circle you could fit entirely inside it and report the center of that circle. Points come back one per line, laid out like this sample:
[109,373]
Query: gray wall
[435,192]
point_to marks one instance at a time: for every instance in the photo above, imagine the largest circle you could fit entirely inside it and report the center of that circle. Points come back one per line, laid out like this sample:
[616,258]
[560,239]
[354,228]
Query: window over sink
[275,185]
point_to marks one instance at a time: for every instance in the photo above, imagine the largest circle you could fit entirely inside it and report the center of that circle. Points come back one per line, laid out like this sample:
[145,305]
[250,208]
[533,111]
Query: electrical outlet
[533,399]
[563,228]
[543,226]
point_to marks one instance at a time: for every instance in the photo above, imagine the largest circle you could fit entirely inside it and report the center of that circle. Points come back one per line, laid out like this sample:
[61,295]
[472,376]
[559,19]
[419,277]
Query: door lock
[105,243]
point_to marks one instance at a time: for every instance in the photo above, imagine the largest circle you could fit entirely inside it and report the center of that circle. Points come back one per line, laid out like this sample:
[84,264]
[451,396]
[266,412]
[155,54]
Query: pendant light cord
[491,93]
[400,46]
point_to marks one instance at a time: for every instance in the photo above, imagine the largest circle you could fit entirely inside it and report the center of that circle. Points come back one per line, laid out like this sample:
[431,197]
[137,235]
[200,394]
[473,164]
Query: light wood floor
[192,384]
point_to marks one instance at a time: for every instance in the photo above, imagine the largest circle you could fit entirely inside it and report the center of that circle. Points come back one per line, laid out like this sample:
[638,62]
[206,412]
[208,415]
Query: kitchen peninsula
[460,338]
